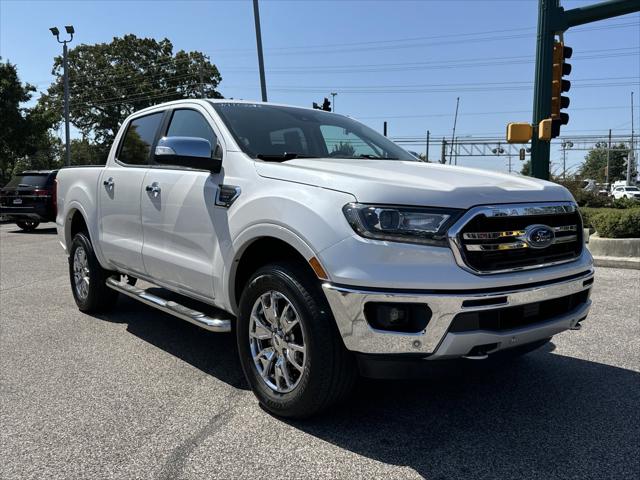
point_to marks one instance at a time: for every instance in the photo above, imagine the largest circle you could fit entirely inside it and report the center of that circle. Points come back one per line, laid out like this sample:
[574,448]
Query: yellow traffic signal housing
[544,129]
[559,85]
[519,132]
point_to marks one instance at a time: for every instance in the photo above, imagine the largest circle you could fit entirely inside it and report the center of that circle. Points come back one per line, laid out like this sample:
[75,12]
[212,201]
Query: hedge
[613,222]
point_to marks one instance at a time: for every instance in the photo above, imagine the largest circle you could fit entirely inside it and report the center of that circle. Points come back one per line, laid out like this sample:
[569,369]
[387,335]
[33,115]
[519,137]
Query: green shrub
[625,203]
[616,223]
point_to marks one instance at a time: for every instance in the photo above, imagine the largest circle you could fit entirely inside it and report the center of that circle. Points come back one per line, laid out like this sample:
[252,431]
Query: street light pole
[256,18]
[65,80]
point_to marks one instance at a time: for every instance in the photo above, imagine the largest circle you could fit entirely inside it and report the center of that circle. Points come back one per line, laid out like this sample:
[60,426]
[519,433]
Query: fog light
[398,317]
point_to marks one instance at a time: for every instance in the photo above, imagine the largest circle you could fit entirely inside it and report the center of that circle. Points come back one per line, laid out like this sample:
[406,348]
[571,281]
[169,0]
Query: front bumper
[435,341]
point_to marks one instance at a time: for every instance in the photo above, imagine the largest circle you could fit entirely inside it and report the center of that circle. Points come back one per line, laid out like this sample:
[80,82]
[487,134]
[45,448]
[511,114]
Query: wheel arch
[262,246]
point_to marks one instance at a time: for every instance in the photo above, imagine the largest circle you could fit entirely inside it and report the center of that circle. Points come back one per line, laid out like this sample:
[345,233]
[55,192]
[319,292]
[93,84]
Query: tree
[595,163]
[343,148]
[526,168]
[25,140]
[109,81]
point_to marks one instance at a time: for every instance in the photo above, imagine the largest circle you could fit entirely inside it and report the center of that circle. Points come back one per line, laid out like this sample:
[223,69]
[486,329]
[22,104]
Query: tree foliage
[25,138]
[595,163]
[109,81]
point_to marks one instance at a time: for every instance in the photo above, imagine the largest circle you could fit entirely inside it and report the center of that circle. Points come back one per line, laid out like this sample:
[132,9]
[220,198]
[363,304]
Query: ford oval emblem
[539,236]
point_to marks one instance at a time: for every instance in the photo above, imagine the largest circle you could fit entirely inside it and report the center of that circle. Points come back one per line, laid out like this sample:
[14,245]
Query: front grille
[509,318]
[500,240]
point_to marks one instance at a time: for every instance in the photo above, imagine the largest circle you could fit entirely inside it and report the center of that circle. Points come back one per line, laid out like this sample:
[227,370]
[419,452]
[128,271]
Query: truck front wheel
[289,346]
[88,278]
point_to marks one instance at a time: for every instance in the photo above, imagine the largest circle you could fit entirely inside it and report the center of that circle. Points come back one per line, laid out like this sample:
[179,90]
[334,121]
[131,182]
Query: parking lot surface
[138,394]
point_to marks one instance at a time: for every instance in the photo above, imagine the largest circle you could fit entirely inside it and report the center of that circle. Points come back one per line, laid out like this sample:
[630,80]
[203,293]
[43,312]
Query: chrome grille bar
[512,233]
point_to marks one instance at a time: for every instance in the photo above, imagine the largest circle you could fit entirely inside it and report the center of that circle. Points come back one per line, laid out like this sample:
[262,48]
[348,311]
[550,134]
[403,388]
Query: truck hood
[414,183]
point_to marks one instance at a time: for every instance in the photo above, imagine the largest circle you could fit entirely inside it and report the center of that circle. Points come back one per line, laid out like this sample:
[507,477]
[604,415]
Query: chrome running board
[172,308]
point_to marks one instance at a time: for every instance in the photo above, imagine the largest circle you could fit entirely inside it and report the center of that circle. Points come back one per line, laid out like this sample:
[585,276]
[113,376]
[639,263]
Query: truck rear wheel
[289,346]
[28,225]
[88,278]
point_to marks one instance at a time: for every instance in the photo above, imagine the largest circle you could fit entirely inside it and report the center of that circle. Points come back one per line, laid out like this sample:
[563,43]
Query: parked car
[329,250]
[29,198]
[626,191]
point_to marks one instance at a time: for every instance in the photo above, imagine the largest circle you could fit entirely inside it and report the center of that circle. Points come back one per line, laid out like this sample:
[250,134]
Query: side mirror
[190,152]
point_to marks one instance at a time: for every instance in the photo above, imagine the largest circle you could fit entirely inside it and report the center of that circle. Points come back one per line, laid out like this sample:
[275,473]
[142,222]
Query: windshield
[276,133]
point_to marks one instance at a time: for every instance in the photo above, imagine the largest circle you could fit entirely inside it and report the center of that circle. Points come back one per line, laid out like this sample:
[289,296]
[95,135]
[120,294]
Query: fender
[242,242]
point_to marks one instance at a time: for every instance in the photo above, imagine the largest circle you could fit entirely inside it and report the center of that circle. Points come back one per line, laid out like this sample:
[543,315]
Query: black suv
[30,198]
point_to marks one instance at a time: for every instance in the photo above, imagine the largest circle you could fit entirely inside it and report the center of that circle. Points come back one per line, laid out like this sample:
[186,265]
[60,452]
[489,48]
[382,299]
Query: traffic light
[559,86]
[326,105]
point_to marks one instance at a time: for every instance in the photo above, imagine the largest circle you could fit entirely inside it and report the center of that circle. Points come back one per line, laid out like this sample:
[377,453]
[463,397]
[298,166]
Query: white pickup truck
[328,249]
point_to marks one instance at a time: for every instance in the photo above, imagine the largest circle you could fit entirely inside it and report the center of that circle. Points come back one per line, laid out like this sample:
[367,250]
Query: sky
[405,62]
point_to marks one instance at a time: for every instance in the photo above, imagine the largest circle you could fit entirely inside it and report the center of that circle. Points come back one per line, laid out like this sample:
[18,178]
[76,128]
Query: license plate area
[17,201]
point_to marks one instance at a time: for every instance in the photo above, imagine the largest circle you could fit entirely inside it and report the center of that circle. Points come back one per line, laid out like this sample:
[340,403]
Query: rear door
[120,189]
[180,220]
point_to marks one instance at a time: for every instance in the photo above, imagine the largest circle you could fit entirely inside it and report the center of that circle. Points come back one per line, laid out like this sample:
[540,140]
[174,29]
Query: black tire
[329,371]
[98,296]
[28,225]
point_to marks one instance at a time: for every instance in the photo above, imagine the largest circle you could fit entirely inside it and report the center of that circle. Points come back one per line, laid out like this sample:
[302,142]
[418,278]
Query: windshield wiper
[376,157]
[281,157]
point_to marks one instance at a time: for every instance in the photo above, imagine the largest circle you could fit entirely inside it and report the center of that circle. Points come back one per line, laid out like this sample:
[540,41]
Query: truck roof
[218,100]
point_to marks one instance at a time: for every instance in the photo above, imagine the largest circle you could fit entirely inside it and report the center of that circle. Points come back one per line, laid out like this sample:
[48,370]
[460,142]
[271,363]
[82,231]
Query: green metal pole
[599,11]
[548,12]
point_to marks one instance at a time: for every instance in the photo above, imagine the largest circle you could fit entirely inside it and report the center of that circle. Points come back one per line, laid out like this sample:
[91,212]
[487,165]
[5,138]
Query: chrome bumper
[347,305]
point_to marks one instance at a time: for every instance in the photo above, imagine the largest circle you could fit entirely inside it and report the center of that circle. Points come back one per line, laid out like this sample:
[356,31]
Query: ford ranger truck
[329,250]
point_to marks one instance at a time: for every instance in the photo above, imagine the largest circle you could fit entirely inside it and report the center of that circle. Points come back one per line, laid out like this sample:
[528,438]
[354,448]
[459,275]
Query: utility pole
[453,134]
[565,145]
[608,160]
[201,78]
[384,129]
[632,153]
[443,158]
[263,82]
[56,33]
[333,101]
[554,20]
[455,158]
[426,152]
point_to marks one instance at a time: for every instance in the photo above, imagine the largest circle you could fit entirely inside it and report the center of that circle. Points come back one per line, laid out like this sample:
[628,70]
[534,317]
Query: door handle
[109,183]
[154,189]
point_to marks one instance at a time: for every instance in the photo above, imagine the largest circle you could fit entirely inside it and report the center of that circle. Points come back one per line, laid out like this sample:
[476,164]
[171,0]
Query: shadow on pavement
[37,231]
[213,353]
[544,416]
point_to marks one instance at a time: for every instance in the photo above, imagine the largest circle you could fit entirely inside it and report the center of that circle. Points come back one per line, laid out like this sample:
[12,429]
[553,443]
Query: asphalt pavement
[139,394]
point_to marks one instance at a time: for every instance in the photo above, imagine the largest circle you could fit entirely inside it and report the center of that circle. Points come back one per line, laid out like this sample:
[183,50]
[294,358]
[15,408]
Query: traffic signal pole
[548,11]
[554,20]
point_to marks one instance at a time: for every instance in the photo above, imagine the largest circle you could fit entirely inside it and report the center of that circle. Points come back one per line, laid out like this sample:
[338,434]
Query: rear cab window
[135,148]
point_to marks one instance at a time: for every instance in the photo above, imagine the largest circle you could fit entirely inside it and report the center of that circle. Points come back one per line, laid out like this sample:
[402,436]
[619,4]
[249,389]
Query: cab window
[137,141]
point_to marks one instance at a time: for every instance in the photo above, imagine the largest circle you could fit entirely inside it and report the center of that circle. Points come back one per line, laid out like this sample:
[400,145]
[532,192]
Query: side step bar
[170,307]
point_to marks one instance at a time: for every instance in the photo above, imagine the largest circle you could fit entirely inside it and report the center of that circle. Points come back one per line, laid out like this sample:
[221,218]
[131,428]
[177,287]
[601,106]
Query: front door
[120,190]
[179,216]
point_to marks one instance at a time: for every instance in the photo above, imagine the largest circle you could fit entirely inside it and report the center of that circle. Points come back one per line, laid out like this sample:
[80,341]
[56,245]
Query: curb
[617,262]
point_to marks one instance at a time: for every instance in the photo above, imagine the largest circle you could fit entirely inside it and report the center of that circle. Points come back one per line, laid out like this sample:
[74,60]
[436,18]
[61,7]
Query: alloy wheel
[81,273]
[277,342]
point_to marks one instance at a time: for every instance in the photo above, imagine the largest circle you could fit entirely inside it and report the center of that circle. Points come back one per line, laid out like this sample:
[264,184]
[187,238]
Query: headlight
[401,224]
